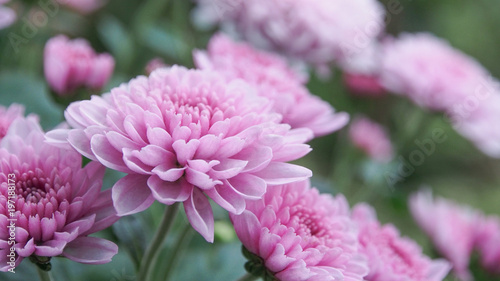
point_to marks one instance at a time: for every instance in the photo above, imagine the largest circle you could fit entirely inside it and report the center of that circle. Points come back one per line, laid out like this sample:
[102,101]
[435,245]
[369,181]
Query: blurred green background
[135,32]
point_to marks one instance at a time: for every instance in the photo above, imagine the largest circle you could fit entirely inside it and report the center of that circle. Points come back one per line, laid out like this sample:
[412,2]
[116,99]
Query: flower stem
[184,239]
[145,270]
[44,275]
[248,277]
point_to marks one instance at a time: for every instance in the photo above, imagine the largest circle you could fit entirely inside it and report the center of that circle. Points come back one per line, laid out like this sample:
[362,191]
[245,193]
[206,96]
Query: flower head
[452,228]
[371,138]
[390,256]
[70,64]
[429,71]
[9,114]
[7,15]
[53,202]
[317,31]
[182,135]
[300,234]
[275,80]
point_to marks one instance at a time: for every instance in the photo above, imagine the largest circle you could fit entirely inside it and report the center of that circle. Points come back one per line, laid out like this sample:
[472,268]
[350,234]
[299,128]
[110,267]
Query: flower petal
[90,250]
[200,215]
[131,195]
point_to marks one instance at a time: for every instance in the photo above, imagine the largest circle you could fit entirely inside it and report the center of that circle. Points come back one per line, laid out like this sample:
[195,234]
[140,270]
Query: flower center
[32,188]
[310,225]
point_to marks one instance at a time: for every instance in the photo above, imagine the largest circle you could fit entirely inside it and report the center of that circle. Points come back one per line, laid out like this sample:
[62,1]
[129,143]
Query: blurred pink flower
[429,71]
[364,85]
[84,6]
[275,80]
[70,64]
[56,203]
[390,256]
[488,243]
[318,32]
[154,64]
[302,235]
[7,15]
[9,114]
[371,138]
[451,227]
[182,135]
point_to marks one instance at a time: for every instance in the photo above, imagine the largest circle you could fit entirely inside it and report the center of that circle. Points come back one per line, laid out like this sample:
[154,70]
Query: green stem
[248,277]
[154,248]
[44,275]
[184,239]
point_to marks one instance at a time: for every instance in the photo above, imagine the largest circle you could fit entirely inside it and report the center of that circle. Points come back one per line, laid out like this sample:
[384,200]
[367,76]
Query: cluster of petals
[452,228]
[318,32]
[390,256]
[49,204]
[70,64]
[181,135]
[9,114]
[275,80]
[7,15]
[371,138]
[302,235]
[436,76]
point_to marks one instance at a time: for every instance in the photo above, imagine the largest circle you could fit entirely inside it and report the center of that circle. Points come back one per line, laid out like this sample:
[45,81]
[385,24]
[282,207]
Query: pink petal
[90,250]
[131,195]
[277,173]
[248,229]
[169,192]
[199,214]
[50,248]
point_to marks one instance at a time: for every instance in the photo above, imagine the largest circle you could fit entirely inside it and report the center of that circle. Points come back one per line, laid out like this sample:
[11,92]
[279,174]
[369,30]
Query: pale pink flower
[55,202]
[70,64]
[316,31]
[299,234]
[9,114]
[275,80]
[451,227]
[429,71]
[182,135]
[371,138]
[7,15]
[390,256]
[154,64]
[488,243]
[364,85]
[84,6]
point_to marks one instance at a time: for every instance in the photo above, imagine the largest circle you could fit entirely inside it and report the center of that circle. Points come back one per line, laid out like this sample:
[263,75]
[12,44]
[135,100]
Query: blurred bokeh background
[136,31]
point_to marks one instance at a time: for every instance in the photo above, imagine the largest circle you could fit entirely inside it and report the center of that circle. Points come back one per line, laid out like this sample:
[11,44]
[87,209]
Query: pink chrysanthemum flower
[390,256]
[48,203]
[429,71]
[371,138]
[298,234]
[7,15]
[488,243]
[274,80]
[9,114]
[452,228]
[69,64]
[182,135]
[317,31]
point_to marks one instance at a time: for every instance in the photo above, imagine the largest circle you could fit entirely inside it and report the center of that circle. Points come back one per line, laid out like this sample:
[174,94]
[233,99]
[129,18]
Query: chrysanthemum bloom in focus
[274,80]
[318,32]
[298,234]
[7,15]
[55,204]
[452,228]
[371,138]
[182,135]
[9,114]
[390,256]
[70,64]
